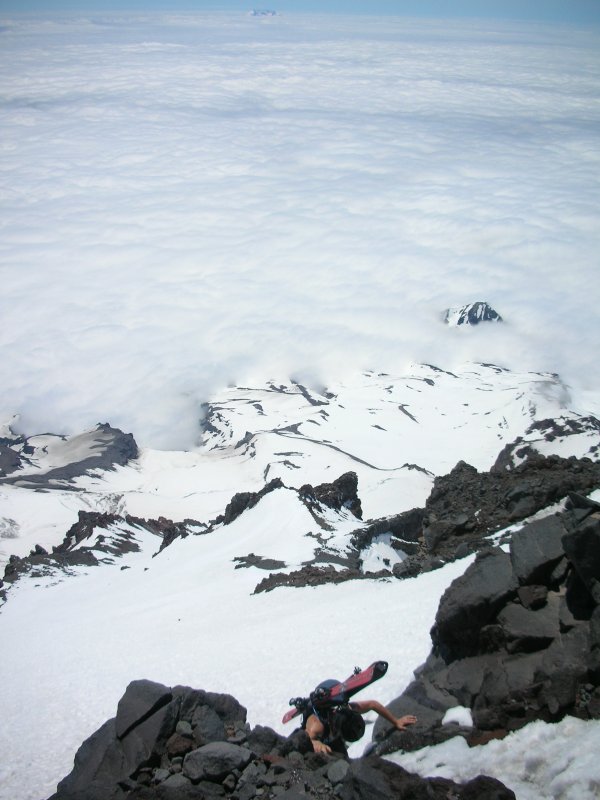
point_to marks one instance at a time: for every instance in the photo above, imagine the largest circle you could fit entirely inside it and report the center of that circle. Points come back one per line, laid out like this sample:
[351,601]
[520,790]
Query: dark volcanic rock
[214,761]
[244,500]
[471,602]
[406,528]
[516,638]
[139,764]
[536,550]
[372,778]
[98,547]
[465,507]
[476,504]
[311,575]
[547,430]
[582,548]
[141,701]
[525,630]
[342,493]
[252,560]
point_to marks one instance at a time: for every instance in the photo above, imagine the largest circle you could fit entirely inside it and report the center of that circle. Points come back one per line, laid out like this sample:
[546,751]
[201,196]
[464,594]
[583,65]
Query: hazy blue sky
[576,11]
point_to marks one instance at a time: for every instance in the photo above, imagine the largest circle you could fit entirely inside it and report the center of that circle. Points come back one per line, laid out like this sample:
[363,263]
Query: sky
[573,11]
[191,203]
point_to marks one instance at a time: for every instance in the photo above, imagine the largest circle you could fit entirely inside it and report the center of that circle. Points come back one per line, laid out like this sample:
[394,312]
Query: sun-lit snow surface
[397,432]
[189,200]
[539,762]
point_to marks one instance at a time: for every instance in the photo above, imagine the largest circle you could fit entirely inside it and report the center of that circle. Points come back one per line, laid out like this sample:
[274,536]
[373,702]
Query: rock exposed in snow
[471,314]
[342,493]
[51,461]
[466,506]
[96,538]
[169,744]
[516,638]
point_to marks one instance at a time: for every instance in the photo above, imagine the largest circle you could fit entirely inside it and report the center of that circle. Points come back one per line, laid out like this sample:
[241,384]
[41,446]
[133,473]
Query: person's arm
[315,730]
[372,705]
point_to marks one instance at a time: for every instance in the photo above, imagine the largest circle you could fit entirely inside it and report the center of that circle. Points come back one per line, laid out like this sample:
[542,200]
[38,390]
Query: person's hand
[404,722]
[320,747]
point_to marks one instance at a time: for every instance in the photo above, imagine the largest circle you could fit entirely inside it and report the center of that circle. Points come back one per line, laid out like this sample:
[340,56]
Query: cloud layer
[189,201]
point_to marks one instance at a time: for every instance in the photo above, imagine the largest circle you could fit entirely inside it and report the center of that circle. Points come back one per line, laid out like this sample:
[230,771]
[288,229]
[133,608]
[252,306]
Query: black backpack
[341,721]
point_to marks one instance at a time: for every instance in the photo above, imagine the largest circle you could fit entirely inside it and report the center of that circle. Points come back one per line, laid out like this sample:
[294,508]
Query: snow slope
[188,614]
[189,617]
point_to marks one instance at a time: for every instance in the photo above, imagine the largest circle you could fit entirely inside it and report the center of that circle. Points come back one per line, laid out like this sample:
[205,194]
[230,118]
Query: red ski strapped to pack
[341,692]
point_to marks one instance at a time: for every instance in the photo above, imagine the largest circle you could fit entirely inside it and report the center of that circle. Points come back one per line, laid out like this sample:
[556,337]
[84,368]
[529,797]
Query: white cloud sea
[188,201]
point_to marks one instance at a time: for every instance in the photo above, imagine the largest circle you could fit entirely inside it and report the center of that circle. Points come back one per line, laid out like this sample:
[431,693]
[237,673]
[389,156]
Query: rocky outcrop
[96,538]
[103,448]
[516,638]
[242,501]
[312,575]
[187,744]
[466,506]
[471,504]
[342,493]
[10,460]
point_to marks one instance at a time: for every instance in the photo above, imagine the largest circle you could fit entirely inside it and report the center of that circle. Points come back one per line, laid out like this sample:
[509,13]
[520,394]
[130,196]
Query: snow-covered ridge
[396,432]
[472,314]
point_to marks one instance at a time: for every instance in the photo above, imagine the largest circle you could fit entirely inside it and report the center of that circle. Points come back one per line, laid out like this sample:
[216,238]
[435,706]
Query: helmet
[320,696]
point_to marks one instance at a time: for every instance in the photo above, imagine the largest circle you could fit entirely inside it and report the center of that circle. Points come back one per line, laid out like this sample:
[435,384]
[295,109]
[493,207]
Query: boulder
[582,548]
[99,765]
[472,601]
[214,761]
[533,597]
[526,630]
[141,700]
[536,549]
[207,725]
[264,740]
[485,788]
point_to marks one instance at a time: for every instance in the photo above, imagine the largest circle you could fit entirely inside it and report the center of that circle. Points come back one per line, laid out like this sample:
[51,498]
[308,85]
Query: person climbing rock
[330,725]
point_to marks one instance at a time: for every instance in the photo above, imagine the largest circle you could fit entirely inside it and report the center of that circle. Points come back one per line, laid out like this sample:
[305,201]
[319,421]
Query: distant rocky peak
[472,314]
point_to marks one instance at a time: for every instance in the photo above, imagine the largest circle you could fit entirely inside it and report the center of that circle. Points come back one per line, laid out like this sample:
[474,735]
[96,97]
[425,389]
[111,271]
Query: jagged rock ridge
[516,638]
